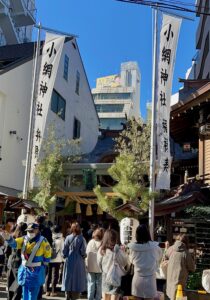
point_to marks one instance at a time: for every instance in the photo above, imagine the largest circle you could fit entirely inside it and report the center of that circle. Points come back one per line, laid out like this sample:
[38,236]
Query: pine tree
[130,169]
[135,140]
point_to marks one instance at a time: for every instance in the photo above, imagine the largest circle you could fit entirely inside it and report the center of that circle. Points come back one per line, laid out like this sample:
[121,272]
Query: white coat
[145,259]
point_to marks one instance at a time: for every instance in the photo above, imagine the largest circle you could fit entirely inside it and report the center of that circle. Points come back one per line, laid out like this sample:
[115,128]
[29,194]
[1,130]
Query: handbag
[163,269]
[115,273]
[126,281]
[162,272]
[206,280]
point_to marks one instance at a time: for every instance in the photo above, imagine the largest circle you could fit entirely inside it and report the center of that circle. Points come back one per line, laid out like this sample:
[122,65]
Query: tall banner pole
[153,123]
[31,118]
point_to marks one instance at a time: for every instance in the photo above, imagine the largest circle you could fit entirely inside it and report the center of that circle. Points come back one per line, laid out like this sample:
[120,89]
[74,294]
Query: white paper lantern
[128,228]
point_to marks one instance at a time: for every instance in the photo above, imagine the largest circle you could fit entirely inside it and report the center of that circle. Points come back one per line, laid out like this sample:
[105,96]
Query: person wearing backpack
[55,262]
[94,272]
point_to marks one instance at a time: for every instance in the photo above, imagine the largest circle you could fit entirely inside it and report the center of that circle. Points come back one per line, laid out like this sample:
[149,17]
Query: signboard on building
[108,81]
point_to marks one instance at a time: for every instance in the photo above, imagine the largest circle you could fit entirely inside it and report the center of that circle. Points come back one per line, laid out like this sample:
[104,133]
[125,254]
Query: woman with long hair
[108,253]
[145,256]
[74,273]
[179,265]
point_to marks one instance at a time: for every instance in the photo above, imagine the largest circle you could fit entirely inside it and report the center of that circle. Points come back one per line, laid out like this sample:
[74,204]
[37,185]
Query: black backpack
[54,252]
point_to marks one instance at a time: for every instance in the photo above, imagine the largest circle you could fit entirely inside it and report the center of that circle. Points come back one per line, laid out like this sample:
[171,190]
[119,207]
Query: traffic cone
[179,292]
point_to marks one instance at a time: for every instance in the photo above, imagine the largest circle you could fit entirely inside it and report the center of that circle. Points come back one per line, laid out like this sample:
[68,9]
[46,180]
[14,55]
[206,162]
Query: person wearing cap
[35,255]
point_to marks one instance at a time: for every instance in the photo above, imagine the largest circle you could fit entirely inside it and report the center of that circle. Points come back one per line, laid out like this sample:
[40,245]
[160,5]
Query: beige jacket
[91,260]
[179,265]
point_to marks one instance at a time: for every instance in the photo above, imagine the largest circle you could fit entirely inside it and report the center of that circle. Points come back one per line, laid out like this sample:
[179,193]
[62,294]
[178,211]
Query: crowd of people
[39,255]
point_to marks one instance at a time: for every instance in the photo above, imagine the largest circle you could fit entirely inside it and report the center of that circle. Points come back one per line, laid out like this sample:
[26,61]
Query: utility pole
[153,123]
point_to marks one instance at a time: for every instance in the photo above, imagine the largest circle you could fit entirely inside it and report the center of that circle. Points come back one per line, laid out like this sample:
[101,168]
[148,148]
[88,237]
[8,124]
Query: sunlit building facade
[117,97]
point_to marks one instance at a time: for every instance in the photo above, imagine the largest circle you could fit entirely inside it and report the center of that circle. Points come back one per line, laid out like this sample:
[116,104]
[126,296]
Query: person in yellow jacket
[35,255]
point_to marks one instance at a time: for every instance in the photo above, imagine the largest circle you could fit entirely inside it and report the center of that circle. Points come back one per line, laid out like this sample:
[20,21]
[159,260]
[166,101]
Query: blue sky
[111,32]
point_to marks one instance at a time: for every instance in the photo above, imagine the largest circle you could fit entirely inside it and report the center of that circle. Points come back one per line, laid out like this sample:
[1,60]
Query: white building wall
[15,95]
[80,106]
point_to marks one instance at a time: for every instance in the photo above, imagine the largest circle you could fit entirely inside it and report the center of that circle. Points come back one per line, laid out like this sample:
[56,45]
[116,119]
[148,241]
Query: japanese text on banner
[50,61]
[168,43]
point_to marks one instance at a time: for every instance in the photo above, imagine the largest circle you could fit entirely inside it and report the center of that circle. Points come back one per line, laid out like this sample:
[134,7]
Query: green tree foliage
[49,170]
[198,211]
[135,140]
[124,173]
[129,170]
[108,204]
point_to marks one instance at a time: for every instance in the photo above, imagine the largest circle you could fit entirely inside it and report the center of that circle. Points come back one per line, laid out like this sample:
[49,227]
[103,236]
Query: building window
[128,78]
[77,83]
[106,108]
[112,96]
[112,123]
[58,105]
[76,129]
[66,68]
[74,45]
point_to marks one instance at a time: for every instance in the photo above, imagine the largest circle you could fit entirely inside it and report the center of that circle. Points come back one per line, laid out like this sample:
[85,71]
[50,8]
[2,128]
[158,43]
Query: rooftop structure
[201,61]
[117,97]
[16,20]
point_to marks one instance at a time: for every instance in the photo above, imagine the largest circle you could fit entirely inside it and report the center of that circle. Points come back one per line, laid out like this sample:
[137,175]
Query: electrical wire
[171,5]
[168,1]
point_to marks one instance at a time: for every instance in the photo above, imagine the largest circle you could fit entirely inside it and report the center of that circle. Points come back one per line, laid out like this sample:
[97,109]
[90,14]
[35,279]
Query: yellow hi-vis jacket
[32,274]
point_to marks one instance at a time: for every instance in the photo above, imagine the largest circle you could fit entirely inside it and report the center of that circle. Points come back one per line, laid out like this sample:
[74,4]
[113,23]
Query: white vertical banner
[51,54]
[167,53]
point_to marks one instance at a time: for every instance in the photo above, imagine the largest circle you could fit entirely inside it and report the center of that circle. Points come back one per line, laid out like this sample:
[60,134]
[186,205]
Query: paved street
[3,293]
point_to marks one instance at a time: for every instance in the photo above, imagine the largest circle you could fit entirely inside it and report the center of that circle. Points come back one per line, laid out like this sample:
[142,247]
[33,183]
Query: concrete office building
[201,62]
[117,97]
[17,18]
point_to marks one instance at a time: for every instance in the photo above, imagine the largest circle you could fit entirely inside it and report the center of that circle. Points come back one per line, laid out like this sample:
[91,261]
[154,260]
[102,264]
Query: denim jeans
[94,286]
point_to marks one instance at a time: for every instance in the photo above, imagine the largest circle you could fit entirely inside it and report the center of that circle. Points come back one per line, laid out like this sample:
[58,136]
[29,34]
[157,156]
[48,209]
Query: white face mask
[31,235]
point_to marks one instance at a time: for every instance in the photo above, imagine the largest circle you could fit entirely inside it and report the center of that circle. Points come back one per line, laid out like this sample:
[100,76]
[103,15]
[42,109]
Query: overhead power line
[172,5]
